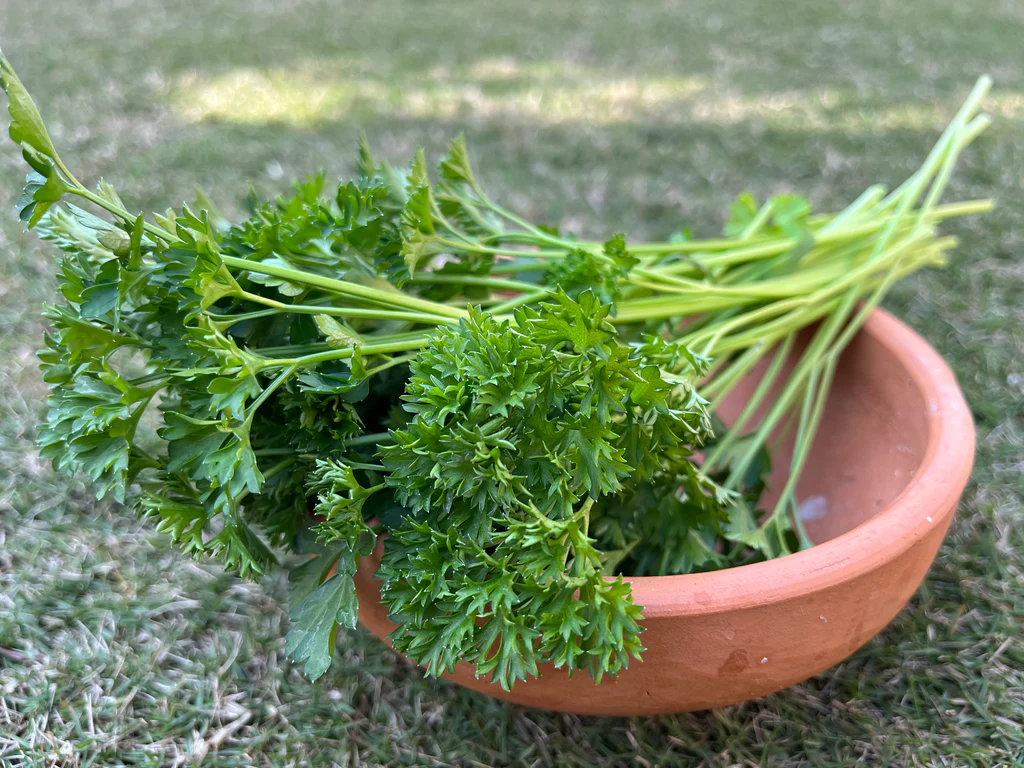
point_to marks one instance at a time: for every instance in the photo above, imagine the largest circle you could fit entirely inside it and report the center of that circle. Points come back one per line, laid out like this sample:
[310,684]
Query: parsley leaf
[316,618]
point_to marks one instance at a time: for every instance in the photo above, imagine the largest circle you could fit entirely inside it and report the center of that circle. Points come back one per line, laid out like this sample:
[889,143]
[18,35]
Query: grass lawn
[599,117]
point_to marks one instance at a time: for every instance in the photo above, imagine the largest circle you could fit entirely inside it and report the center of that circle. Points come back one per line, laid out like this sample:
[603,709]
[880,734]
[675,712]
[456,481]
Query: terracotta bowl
[888,466]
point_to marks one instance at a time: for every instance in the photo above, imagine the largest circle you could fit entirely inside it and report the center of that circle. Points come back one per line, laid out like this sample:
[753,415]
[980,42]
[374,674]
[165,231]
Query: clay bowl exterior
[887,469]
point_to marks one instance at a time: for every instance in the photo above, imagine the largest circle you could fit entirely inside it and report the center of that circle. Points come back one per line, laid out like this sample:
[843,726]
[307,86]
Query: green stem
[277,468]
[375,295]
[515,268]
[391,363]
[756,399]
[793,387]
[474,213]
[534,232]
[728,255]
[281,378]
[759,220]
[116,210]
[365,312]
[815,397]
[133,420]
[721,382]
[800,305]
[584,515]
[519,301]
[343,354]
[370,439]
[425,277]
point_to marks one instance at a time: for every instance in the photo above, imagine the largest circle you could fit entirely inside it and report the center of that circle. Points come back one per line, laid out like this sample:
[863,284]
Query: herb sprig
[518,410]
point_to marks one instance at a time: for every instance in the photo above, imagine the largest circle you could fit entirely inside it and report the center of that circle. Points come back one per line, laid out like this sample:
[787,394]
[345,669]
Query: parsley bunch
[521,408]
[525,435]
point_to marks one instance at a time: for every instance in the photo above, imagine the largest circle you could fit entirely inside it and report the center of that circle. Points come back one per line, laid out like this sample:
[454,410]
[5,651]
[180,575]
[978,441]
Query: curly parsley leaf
[526,433]
[602,274]
[339,505]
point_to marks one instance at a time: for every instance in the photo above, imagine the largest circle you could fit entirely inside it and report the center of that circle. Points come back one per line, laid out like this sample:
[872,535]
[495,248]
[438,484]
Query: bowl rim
[926,503]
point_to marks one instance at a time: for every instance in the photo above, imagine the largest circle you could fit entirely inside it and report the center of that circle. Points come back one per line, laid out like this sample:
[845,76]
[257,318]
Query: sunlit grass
[308,95]
[547,93]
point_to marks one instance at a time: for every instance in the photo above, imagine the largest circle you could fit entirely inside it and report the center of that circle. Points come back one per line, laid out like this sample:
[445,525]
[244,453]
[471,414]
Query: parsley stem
[140,409]
[516,267]
[763,388]
[292,349]
[391,363]
[810,415]
[280,379]
[314,309]
[477,280]
[825,346]
[468,206]
[347,352]
[633,310]
[116,210]
[375,438]
[728,254]
[518,301]
[275,451]
[375,295]
[534,232]
[284,463]
[724,380]
[466,244]
[584,514]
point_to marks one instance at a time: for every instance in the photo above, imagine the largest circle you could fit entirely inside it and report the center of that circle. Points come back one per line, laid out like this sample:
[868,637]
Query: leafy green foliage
[339,506]
[400,354]
[41,191]
[316,617]
[44,184]
[27,127]
[522,431]
[514,440]
[741,215]
[788,216]
[603,274]
[320,601]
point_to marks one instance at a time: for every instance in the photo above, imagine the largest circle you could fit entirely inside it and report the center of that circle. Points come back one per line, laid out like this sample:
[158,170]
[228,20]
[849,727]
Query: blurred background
[598,117]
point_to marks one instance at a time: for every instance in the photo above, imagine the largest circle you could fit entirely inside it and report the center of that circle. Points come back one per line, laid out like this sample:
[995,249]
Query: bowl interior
[870,443]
